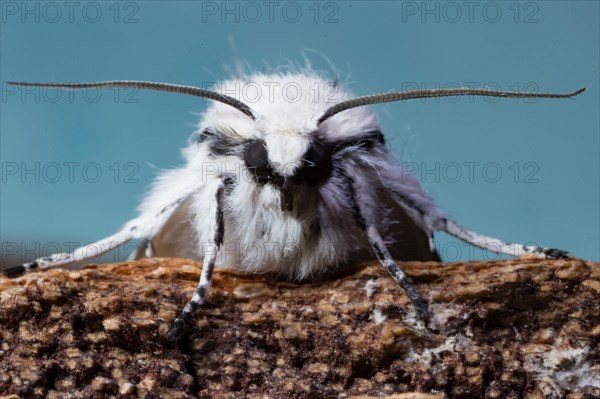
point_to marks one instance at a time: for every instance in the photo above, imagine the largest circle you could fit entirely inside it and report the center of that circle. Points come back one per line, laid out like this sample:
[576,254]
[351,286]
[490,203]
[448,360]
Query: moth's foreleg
[433,221]
[215,211]
[80,254]
[495,245]
[139,228]
[360,203]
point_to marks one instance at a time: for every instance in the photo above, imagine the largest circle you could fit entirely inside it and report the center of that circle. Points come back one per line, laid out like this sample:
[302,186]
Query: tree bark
[522,328]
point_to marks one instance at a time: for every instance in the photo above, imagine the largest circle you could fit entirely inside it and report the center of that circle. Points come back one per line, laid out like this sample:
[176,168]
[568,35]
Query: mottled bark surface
[504,329]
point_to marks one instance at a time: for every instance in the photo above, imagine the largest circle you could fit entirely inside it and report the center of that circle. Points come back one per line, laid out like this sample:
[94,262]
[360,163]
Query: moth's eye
[257,160]
[317,163]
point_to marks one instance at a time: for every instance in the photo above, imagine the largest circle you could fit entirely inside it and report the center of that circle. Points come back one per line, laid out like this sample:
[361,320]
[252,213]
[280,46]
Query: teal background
[377,46]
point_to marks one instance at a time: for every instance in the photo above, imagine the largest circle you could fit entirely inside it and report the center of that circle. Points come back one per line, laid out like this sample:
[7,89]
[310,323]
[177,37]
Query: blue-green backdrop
[74,166]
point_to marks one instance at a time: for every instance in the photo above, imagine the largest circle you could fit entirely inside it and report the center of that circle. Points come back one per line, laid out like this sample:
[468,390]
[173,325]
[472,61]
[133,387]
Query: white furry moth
[290,187]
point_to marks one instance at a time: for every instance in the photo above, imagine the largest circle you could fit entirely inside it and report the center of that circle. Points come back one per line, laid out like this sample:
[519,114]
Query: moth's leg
[408,193]
[80,254]
[498,246]
[364,216]
[442,223]
[213,210]
[134,229]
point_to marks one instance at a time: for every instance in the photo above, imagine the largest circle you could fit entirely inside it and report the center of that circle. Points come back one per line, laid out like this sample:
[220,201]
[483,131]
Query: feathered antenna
[189,90]
[412,94]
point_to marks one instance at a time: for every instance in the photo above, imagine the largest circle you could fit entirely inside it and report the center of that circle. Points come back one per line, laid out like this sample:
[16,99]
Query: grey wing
[407,240]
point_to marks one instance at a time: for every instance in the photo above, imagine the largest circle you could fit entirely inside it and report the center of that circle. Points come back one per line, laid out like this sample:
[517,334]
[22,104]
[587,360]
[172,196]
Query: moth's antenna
[189,90]
[411,94]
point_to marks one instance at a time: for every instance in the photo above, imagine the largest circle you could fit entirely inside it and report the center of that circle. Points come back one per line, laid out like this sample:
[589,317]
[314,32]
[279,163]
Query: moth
[289,185]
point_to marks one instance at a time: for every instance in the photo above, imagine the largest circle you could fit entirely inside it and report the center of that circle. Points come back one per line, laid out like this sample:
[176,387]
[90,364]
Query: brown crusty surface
[522,328]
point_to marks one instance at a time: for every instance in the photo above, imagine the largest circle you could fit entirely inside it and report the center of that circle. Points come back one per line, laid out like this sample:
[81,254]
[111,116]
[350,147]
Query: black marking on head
[317,164]
[204,135]
[256,159]
[222,144]
[13,272]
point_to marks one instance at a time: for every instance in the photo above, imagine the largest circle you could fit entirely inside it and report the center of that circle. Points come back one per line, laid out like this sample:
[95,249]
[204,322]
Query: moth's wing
[406,209]
[166,210]
[407,240]
[175,239]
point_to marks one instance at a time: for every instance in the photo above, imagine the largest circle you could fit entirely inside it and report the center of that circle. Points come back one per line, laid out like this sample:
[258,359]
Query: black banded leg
[23,268]
[439,223]
[208,264]
[134,229]
[422,210]
[381,251]
[80,254]
[498,246]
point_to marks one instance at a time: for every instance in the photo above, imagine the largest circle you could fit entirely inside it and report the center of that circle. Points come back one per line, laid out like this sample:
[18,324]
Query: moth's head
[284,144]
